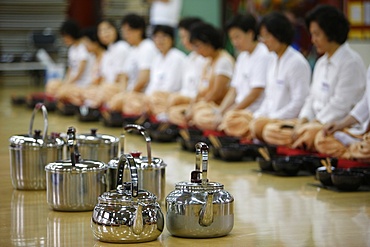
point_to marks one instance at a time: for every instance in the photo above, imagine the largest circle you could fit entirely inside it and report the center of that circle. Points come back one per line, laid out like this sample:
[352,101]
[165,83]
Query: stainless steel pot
[152,171]
[199,208]
[30,153]
[127,214]
[94,146]
[74,185]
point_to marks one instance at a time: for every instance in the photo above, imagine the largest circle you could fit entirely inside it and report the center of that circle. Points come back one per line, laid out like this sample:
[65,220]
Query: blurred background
[26,26]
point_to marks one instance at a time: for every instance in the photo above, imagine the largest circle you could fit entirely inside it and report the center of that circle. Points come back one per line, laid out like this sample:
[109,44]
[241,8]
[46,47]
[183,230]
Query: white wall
[363,48]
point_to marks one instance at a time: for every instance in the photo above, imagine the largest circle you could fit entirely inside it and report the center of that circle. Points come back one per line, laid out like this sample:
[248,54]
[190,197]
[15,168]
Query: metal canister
[95,146]
[151,170]
[75,184]
[199,208]
[30,153]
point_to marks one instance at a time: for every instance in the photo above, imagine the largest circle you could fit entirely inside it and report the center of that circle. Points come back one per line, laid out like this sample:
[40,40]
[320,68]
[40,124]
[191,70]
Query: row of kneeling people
[269,93]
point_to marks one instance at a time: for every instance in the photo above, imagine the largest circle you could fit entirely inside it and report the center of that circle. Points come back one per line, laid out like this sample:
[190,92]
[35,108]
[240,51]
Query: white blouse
[338,83]
[166,72]
[288,81]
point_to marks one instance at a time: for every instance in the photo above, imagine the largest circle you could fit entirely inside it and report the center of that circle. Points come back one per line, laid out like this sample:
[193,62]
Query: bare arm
[142,80]
[228,101]
[251,97]
[348,121]
[81,69]
[217,91]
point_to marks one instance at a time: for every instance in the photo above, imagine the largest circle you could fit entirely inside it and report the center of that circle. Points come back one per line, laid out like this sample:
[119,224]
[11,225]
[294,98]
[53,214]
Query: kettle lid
[199,187]
[94,138]
[80,167]
[37,140]
[122,196]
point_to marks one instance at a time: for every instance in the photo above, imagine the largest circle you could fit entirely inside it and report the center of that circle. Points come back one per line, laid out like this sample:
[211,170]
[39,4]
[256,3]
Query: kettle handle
[134,185]
[142,131]
[201,160]
[72,145]
[45,115]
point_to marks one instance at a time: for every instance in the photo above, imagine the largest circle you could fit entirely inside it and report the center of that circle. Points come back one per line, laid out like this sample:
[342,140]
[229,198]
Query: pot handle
[72,145]
[201,160]
[134,184]
[45,115]
[206,213]
[142,131]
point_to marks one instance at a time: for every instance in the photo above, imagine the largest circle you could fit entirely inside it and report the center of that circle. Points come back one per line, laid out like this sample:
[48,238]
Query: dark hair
[244,22]
[136,22]
[112,24]
[206,33]
[187,22]
[164,29]
[92,34]
[332,21]
[71,28]
[279,26]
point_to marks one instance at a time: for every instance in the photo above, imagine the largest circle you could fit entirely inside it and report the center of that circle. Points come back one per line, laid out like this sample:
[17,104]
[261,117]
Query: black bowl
[366,172]
[87,114]
[324,176]
[265,165]
[347,180]
[251,150]
[232,152]
[165,135]
[312,162]
[288,165]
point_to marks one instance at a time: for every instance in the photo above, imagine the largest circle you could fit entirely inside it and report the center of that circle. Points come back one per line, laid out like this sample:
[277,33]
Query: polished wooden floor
[269,210]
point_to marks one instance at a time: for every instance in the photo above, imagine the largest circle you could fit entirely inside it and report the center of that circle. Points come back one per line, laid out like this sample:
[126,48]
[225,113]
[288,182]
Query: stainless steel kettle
[151,170]
[127,214]
[30,153]
[95,146]
[74,184]
[199,208]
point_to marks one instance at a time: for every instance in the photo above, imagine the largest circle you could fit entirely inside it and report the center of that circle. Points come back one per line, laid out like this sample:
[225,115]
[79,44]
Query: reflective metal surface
[269,210]
[127,214]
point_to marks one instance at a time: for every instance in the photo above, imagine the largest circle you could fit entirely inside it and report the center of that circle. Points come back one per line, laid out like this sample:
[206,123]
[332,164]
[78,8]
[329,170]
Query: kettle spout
[206,213]
[138,226]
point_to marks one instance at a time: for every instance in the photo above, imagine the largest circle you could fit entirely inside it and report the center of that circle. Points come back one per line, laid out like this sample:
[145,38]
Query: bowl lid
[209,186]
[81,166]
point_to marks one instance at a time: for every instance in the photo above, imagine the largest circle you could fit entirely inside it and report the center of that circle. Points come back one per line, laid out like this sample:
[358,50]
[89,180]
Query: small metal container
[30,153]
[199,208]
[151,170]
[94,146]
[74,185]
[127,214]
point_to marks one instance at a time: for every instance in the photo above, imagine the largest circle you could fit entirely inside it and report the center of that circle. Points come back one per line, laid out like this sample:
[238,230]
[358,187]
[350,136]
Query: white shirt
[77,54]
[250,72]
[361,112]
[165,13]
[223,65]
[113,60]
[166,72]
[192,74]
[288,80]
[338,83]
[139,58]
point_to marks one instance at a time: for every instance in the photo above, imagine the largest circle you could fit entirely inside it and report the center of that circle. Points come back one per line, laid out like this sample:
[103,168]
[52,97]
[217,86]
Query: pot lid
[81,166]
[120,196]
[199,187]
[94,138]
[141,162]
[36,140]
